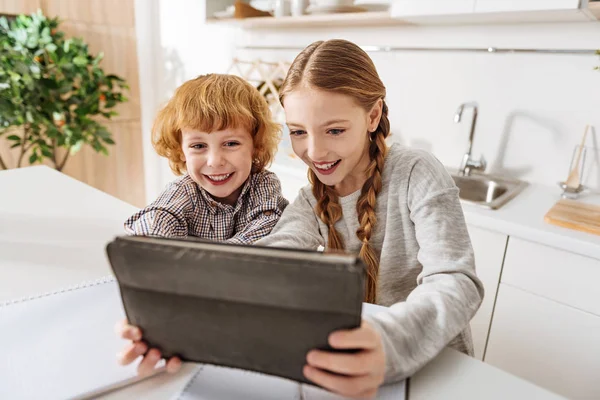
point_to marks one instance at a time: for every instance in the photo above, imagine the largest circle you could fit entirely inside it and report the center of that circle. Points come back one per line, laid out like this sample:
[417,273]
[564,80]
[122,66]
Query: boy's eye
[232,144]
[297,132]
[198,146]
[336,132]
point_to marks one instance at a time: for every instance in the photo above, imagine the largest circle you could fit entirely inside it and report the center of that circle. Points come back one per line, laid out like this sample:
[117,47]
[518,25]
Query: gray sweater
[427,269]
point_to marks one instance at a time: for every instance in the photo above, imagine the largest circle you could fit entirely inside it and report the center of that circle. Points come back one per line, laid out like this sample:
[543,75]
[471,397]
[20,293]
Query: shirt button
[268,213]
[213,203]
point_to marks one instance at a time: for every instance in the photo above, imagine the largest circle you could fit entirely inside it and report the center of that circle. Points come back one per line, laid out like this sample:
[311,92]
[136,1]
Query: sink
[487,190]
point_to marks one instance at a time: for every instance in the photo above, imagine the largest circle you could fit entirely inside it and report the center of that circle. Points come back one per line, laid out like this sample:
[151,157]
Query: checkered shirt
[185,209]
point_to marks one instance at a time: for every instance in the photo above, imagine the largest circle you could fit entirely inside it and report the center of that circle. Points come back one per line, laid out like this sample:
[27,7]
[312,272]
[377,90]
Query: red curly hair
[210,103]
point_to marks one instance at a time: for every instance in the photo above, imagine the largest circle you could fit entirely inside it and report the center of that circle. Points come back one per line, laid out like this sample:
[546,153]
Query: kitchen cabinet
[559,275]
[483,6]
[546,320]
[550,344]
[490,11]
[412,8]
[489,250]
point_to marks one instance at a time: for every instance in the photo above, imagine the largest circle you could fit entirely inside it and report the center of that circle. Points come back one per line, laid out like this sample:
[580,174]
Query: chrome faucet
[469,164]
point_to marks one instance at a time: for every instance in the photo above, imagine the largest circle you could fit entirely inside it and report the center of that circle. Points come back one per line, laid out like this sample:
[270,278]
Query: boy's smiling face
[219,161]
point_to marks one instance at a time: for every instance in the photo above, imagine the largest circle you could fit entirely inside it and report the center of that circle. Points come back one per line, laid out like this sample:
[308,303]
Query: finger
[126,331]
[132,352]
[364,337]
[361,363]
[346,386]
[173,365]
[148,364]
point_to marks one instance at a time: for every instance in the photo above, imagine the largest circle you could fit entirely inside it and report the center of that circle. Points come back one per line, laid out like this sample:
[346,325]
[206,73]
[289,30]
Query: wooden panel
[573,214]
[549,344]
[559,275]
[120,173]
[14,7]
[98,12]
[120,57]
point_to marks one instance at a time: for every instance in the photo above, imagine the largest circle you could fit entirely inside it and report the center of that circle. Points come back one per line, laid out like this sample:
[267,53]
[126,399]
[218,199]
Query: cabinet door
[559,275]
[489,250]
[483,6]
[547,343]
[409,8]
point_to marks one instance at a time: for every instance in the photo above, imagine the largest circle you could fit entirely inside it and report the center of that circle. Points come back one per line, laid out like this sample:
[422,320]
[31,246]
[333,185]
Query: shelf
[383,18]
[380,18]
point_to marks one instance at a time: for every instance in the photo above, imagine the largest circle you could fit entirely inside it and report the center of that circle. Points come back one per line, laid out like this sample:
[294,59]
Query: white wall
[533,108]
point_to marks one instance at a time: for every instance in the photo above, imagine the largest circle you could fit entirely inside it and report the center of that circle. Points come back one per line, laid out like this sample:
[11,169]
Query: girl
[397,207]
[217,132]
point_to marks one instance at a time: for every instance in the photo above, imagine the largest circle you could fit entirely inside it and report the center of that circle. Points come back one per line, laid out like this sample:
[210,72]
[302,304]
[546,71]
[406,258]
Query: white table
[53,230]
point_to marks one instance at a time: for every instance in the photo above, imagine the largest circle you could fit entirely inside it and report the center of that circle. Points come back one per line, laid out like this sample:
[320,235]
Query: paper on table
[62,345]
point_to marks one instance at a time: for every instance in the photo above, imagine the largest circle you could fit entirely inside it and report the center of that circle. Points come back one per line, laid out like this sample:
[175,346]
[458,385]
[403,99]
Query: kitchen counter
[523,217]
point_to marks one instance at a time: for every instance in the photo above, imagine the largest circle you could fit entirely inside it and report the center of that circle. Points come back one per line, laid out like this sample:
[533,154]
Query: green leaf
[33,158]
[108,141]
[76,147]
[14,137]
[51,47]
[46,152]
[80,61]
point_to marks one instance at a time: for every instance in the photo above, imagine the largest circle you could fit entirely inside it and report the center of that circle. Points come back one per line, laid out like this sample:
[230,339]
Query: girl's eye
[336,132]
[297,132]
[232,144]
[198,146]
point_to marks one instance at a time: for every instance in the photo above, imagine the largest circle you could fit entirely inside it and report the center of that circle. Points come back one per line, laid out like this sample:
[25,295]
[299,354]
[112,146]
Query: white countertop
[52,234]
[523,217]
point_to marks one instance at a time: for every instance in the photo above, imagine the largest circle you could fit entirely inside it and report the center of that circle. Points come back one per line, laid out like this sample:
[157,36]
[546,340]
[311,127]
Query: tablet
[249,307]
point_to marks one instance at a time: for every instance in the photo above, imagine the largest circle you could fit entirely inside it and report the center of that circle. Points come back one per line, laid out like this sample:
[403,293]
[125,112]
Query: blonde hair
[342,67]
[210,103]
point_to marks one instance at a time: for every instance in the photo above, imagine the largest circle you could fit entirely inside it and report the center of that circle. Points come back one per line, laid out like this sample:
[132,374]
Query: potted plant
[53,92]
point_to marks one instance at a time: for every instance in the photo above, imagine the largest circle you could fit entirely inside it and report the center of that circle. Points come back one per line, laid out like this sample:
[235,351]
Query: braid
[328,209]
[365,206]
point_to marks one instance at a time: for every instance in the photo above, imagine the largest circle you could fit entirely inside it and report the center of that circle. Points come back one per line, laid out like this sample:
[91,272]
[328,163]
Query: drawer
[558,275]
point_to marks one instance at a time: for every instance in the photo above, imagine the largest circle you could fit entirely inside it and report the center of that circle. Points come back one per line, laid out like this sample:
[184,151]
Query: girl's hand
[357,375]
[138,348]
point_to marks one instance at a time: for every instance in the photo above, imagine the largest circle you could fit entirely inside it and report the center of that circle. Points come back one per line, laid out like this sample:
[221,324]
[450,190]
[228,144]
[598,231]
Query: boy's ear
[182,156]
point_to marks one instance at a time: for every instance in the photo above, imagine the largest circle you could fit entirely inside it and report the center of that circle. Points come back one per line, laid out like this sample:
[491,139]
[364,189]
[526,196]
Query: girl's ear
[375,115]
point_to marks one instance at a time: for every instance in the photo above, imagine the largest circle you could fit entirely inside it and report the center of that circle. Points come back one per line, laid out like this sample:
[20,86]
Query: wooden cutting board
[575,215]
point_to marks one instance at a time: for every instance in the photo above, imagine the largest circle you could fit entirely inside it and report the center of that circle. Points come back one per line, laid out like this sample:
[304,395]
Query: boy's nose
[215,159]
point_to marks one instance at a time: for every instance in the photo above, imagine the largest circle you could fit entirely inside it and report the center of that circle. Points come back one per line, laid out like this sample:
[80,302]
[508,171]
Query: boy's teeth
[219,177]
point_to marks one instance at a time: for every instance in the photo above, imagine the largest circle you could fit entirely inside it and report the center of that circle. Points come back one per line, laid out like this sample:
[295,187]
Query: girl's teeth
[326,166]
[219,177]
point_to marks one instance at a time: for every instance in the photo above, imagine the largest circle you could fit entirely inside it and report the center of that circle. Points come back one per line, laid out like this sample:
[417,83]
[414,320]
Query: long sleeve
[268,204]
[167,216]
[448,292]
[297,228]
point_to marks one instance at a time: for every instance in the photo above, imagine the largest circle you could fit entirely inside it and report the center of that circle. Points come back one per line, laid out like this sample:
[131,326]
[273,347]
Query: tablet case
[249,307]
